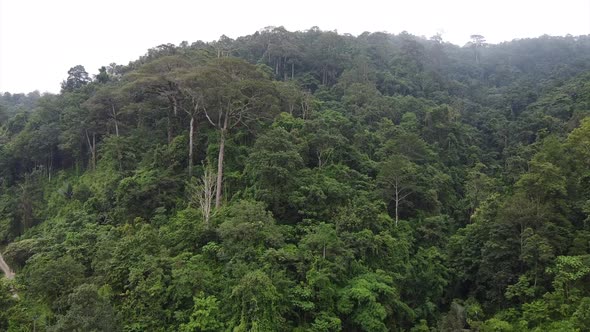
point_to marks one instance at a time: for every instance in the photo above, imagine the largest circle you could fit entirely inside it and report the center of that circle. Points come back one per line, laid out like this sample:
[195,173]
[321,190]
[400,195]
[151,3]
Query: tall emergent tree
[238,94]
[77,78]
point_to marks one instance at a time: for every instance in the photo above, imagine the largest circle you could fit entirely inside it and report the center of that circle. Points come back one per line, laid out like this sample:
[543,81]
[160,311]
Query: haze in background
[40,40]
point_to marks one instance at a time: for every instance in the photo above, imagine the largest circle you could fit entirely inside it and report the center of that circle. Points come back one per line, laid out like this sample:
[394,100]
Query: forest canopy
[303,181]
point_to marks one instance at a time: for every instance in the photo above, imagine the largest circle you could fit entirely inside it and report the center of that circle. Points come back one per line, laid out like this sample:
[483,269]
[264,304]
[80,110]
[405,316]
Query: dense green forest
[303,181]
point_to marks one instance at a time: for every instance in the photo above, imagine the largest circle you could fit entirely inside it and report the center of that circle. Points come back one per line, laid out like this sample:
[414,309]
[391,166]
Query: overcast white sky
[41,39]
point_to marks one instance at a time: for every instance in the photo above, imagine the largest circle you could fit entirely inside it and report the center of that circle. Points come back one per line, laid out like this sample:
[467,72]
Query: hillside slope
[304,181]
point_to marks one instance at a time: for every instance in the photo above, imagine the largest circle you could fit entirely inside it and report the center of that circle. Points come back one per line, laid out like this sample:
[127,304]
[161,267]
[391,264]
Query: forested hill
[304,181]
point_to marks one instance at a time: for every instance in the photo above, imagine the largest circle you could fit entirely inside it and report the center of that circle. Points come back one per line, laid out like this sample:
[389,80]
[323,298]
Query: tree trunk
[292,70]
[220,161]
[175,105]
[305,106]
[206,194]
[190,147]
[396,206]
[220,170]
[115,119]
[119,154]
[92,148]
[50,164]
[169,128]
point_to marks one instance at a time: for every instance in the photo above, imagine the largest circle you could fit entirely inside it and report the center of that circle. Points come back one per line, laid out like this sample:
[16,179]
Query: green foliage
[248,230]
[256,298]
[568,271]
[77,78]
[496,325]
[326,323]
[145,191]
[372,183]
[89,310]
[6,303]
[361,301]
[52,278]
[205,316]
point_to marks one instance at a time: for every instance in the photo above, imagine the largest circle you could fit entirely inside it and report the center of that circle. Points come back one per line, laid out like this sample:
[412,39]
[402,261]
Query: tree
[205,316]
[159,78]
[271,165]
[478,186]
[327,55]
[544,181]
[325,136]
[366,301]
[105,107]
[569,272]
[292,98]
[77,78]
[477,42]
[427,278]
[248,229]
[193,83]
[76,128]
[106,103]
[90,309]
[51,278]
[256,299]
[238,95]
[29,198]
[145,191]
[322,241]
[398,180]
[3,114]
[536,252]
[6,303]
[203,193]
[103,75]
[223,46]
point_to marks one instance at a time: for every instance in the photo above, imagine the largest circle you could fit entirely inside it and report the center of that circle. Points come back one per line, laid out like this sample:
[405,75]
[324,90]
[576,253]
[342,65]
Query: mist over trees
[303,181]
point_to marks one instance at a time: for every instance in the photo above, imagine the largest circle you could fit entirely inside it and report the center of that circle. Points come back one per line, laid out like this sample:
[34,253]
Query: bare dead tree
[203,194]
